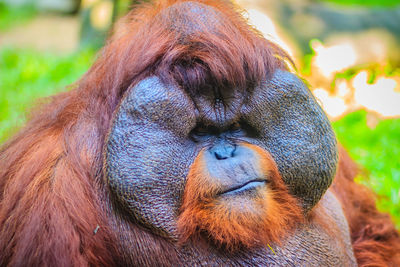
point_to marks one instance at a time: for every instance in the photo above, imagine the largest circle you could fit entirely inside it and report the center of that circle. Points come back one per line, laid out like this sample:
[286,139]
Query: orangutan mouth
[248,186]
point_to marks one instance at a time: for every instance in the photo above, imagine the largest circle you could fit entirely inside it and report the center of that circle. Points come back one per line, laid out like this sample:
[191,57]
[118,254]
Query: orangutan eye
[235,127]
[201,130]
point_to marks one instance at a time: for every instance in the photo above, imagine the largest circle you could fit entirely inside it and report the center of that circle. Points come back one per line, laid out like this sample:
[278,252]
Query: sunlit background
[347,51]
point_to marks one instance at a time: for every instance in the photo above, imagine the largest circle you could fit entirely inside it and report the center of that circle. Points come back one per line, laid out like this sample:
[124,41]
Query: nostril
[220,156]
[223,151]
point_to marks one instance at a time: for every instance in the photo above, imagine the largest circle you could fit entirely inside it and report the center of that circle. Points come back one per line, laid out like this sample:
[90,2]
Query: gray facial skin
[152,144]
[297,133]
[150,147]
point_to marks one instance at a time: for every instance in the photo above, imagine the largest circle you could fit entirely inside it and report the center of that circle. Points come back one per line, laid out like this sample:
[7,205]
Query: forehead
[213,106]
[191,18]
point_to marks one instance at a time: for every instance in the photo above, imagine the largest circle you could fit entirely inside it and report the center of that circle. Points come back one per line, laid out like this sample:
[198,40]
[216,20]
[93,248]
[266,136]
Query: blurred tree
[96,21]
[98,17]
[63,6]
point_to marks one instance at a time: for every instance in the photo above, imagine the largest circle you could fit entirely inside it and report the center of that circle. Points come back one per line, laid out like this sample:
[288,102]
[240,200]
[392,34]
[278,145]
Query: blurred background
[347,50]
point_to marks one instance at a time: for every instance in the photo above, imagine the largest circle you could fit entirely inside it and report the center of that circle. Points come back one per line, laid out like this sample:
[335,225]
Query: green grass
[27,75]
[378,151]
[12,16]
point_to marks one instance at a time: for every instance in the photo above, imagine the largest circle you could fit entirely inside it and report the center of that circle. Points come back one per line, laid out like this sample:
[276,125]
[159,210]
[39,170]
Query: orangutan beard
[252,218]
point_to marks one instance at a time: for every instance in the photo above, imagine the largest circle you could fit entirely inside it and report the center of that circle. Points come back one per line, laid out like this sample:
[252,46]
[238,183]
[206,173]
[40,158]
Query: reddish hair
[52,195]
[375,240]
[277,214]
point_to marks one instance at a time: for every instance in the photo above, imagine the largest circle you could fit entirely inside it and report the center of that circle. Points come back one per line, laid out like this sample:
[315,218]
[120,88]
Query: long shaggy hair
[52,194]
[267,217]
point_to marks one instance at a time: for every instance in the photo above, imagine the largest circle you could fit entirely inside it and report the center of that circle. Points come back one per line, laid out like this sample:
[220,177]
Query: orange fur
[266,218]
[375,240]
[52,192]
[48,212]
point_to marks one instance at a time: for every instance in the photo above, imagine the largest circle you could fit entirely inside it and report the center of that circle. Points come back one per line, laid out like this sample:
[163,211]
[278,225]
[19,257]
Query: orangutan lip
[244,187]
